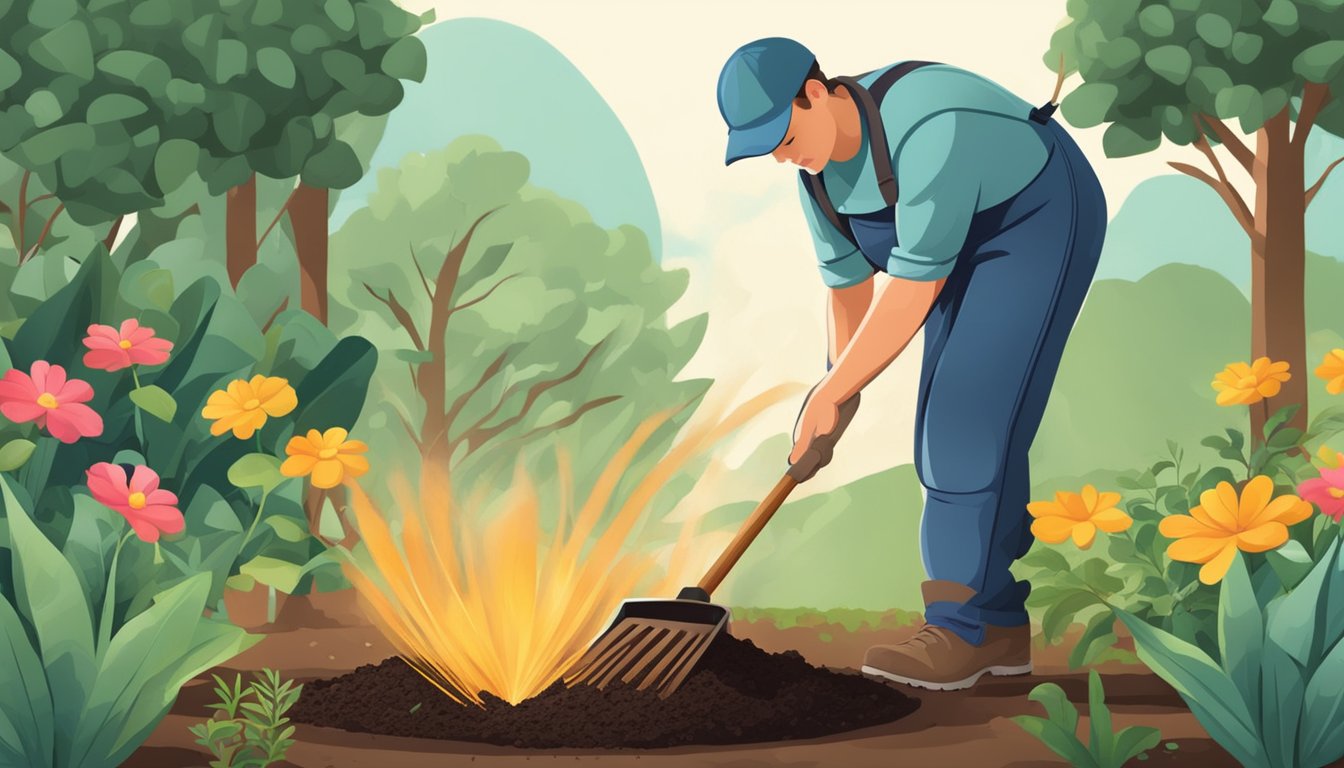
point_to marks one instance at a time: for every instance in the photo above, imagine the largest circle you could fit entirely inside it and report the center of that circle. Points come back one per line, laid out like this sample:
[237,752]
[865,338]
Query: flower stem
[261,509]
[139,417]
[110,599]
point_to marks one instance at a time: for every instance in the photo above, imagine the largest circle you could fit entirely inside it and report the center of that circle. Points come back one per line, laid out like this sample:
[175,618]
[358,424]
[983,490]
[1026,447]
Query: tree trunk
[240,231]
[1278,264]
[308,214]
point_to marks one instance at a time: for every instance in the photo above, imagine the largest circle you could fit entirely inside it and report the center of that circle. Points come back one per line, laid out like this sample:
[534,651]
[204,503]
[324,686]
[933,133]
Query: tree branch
[483,296]
[1222,186]
[400,313]
[279,214]
[478,434]
[490,372]
[568,420]
[46,230]
[405,422]
[111,238]
[1314,96]
[1314,188]
[23,211]
[423,281]
[1231,140]
[283,303]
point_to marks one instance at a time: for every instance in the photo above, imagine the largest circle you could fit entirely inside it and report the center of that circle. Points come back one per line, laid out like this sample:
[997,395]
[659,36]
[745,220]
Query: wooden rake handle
[817,456]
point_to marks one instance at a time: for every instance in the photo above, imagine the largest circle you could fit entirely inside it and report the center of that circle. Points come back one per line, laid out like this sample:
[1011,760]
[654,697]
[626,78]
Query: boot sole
[956,685]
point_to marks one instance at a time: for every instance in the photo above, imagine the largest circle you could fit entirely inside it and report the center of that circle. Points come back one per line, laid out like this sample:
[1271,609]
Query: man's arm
[847,309]
[898,310]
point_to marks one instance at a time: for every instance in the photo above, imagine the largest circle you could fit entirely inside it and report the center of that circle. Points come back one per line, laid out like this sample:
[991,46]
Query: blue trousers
[992,346]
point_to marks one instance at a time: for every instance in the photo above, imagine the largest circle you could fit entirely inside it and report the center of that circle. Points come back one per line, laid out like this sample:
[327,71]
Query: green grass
[851,619]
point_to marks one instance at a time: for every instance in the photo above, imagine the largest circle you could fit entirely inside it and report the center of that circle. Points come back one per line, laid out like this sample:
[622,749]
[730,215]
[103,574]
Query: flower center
[1247,382]
[47,400]
[326,453]
[137,500]
[251,405]
[124,344]
[1337,493]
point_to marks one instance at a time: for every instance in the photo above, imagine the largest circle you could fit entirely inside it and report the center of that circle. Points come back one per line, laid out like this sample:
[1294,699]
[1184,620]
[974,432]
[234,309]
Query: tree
[1183,70]
[115,104]
[510,315]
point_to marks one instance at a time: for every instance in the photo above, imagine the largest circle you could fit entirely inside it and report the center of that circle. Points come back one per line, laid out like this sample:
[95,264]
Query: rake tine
[654,653]
[683,640]
[637,657]
[598,653]
[684,666]
[614,656]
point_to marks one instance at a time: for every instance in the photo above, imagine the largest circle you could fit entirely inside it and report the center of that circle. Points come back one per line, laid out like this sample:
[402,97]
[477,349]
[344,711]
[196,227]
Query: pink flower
[1326,492]
[51,400]
[111,349]
[149,509]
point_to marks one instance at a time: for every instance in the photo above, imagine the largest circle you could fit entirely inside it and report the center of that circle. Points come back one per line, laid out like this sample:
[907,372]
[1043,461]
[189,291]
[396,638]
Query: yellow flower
[1332,370]
[244,405]
[1242,384]
[1077,515]
[327,456]
[1222,523]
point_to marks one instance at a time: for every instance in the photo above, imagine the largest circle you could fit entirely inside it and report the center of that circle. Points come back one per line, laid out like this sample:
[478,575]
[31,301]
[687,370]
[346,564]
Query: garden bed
[737,694]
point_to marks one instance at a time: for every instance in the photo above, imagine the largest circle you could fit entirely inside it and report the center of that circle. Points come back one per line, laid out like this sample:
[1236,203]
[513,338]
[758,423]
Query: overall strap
[868,101]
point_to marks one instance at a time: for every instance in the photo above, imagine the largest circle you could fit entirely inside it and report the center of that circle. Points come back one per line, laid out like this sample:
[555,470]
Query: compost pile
[736,694]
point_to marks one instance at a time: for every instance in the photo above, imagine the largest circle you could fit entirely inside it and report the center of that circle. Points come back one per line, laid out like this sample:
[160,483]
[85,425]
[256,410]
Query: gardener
[958,208]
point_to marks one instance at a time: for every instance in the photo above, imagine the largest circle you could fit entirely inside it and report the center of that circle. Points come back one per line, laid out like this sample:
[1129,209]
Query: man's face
[810,140]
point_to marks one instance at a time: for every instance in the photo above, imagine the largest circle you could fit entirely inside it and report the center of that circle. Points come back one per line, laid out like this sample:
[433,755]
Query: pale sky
[657,64]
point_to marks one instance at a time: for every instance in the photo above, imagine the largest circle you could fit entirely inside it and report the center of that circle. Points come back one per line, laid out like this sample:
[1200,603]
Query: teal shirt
[960,144]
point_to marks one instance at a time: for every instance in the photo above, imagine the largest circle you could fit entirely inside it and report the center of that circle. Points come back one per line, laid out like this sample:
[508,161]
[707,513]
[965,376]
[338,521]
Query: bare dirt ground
[957,729]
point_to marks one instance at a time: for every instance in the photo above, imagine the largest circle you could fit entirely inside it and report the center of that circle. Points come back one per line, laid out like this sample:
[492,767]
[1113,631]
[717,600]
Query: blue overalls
[992,346]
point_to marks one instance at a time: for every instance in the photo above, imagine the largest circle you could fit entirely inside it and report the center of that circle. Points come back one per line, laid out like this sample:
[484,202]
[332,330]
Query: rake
[654,643]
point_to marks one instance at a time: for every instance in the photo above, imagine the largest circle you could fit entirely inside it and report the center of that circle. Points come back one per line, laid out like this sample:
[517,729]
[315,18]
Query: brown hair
[814,73]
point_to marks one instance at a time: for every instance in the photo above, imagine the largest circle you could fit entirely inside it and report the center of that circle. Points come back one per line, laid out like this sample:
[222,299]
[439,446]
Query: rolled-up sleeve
[938,198]
[841,263]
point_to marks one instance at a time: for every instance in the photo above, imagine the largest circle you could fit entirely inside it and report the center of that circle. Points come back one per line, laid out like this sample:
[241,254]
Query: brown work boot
[935,658]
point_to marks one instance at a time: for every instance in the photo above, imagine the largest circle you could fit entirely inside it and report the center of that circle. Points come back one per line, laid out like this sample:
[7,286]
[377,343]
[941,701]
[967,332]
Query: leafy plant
[1271,698]
[1058,730]
[77,694]
[249,729]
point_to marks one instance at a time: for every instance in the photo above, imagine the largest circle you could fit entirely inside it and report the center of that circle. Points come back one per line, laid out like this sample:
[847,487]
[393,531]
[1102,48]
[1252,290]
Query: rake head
[651,644]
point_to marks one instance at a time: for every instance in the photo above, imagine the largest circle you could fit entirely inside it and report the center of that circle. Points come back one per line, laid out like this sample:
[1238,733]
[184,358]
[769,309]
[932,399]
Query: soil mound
[737,694]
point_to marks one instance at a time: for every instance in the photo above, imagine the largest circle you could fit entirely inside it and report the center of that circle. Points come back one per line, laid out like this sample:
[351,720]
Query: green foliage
[557,330]
[1170,61]
[261,735]
[217,479]
[1272,698]
[117,108]
[1058,730]
[85,703]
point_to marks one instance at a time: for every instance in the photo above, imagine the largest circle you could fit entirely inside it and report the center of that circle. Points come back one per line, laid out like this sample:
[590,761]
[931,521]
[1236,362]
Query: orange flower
[1242,384]
[244,405]
[1078,516]
[327,456]
[1222,523]
[1332,370]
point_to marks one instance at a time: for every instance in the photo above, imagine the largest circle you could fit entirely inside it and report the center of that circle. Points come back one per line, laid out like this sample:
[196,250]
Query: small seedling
[1058,730]
[249,728]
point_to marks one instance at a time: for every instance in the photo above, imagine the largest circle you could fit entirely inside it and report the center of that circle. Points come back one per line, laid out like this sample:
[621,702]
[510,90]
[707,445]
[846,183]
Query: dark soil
[737,694]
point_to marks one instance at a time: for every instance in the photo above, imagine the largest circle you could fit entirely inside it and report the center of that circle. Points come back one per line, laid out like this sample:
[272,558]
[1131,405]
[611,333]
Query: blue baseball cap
[756,91]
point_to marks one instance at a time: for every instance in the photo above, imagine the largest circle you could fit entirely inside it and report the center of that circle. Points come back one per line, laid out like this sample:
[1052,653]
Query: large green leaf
[15,454]
[26,717]
[1211,696]
[1171,62]
[1321,734]
[1241,633]
[135,683]
[51,597]
[1088,104]
[1283,690]
[1098,717]
[1122,140]
[1322,62]
[332,395]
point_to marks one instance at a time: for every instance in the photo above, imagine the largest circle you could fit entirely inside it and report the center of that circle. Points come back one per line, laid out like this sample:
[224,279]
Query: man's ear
[815,90]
